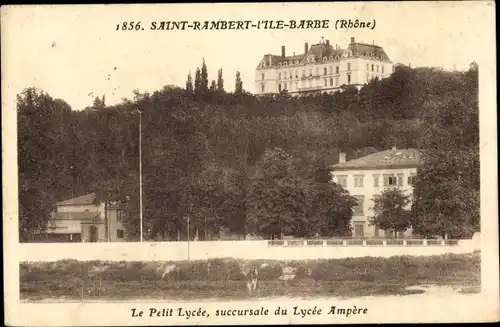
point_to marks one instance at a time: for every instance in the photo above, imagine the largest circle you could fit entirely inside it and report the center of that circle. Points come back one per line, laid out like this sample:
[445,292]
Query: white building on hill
[365,178]
[322,68]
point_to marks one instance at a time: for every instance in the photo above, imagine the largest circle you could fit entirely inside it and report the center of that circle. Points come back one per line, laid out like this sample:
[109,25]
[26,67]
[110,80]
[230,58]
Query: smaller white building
[365,178]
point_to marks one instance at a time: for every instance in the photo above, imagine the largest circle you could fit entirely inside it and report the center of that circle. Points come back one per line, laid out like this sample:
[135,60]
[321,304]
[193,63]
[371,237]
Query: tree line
[252,164]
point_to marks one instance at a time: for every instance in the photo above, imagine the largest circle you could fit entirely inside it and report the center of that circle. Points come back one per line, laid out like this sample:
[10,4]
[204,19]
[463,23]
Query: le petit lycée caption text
[262,311]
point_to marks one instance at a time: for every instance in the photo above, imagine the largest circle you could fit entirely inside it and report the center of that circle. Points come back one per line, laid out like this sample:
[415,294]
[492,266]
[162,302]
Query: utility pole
[188,235]
[140,172]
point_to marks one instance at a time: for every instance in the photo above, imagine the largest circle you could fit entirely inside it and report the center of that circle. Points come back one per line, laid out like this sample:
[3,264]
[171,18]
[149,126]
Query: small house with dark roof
[86,219]
[322,67]
[365,178]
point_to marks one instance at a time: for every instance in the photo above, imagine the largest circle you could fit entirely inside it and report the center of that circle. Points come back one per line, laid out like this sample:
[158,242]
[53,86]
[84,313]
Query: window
[279,75]
[367,78]
[400,179]
[390,180]
[348,78]
[317,70]
[372,67]
[337,70]
[285,87]
[279,87]
[331,69]
[326,82]
[382,69]
[262,75]
[377,68]
[375,180]
[284,75]
[367,66]
[337,81]
[325,70]
[377,232]
[358,209]
[411,179]
[263,87]
[331,81]
[359,230]
[342,180]
[348,66]
[358,181]
[120,234]
[296,74]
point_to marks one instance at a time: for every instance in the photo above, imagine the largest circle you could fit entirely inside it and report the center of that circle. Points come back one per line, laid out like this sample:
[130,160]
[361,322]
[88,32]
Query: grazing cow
[251,279]
[168,269]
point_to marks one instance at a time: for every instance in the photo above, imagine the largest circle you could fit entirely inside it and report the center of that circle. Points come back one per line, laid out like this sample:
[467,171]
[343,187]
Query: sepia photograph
[250,163]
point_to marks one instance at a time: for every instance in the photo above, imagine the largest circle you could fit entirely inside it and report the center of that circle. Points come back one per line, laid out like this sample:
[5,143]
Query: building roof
[396,158]
[81,200]
[83,216]
[367,50]
[320,50]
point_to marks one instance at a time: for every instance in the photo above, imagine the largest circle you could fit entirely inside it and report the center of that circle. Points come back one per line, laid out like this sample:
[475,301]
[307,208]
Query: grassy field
[222,278]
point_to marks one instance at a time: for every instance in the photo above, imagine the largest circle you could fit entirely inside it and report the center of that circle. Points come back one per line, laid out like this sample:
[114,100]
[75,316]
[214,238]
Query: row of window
[360,201]
[290,74]
[375,67]
[387,179]
[310,83]
[326,71]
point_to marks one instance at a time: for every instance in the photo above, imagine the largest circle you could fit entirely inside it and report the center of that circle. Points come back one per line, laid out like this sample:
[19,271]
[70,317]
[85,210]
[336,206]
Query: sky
[75,53]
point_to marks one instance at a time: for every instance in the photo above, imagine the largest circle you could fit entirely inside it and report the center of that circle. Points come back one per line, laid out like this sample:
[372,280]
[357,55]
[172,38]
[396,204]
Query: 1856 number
[129,26]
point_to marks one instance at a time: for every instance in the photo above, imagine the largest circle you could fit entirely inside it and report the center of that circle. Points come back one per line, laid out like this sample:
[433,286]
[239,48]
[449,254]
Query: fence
[365,242]
[249,250]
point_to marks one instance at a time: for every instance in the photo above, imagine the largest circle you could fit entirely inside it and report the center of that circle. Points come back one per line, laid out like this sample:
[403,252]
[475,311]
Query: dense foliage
[248,163]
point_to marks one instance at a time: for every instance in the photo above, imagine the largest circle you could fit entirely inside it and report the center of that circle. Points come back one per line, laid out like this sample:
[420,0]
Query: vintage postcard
[261,163]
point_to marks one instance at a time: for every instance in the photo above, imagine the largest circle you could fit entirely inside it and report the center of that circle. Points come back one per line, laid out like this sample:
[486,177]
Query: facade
[365,178]
[322,68]
[82,219]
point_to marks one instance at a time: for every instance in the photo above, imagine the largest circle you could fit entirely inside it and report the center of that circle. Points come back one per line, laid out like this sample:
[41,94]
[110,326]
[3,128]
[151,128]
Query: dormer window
[325,58]
[279,64]
[337,57]
[285,63]
[331,57]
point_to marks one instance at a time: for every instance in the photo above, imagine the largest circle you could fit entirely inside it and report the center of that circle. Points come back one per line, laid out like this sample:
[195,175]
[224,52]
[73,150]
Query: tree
[44,158]
[390,211]
[204,77]
[239,84]
[220,81]
[197,82]
[189,84]
[213,86]
[279,201]
[447,194]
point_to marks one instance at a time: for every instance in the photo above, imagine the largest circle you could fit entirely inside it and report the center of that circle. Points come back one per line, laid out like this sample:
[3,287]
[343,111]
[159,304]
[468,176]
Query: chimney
[352,39]
[283,51]
[342,157]
[327,42]
[306,48]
